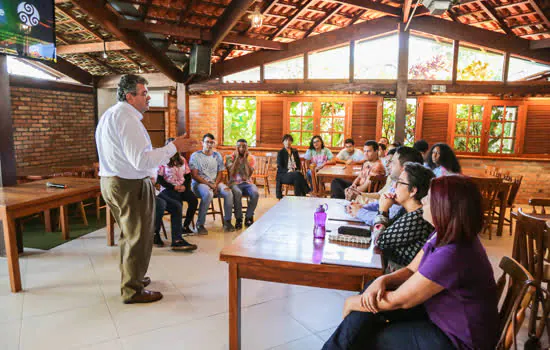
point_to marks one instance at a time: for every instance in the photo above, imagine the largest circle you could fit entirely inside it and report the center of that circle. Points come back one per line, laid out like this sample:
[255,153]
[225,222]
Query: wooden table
[33,197]
[279,247]
[502,195]
[331,172]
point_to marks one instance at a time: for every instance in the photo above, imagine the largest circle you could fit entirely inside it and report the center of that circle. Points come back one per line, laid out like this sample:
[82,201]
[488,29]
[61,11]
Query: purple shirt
[466,310]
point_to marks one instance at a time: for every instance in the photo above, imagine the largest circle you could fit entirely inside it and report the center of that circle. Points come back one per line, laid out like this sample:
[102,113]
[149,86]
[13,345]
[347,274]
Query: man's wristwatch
[383,213]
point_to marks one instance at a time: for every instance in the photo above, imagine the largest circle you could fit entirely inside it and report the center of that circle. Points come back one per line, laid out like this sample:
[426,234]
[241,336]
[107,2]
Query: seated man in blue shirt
[368,212]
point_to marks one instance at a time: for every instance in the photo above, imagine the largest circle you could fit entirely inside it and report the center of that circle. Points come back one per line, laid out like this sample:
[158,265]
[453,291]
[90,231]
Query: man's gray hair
[128,84]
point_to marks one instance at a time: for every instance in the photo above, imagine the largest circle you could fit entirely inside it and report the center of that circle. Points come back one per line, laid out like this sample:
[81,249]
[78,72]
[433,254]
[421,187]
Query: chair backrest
[314,181]
[303,167]
[539,202]
[516,288]
[489,188]
[531,243]
[263,164]
[492,170]
[515,183]
[376,183]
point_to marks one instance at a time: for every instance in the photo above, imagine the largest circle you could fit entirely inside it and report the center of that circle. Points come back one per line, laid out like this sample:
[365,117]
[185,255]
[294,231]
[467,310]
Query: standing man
[127,161]
[240,166]
[207,172]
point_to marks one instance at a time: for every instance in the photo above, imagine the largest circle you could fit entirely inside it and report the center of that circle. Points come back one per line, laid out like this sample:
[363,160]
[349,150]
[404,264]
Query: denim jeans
[206,194]
[249,190]
[397,329]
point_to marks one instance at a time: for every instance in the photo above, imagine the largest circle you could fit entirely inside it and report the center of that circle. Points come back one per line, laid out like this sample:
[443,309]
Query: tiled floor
[71,300]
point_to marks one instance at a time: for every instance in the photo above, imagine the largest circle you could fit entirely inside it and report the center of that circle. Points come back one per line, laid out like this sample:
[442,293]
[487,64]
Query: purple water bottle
[320,219]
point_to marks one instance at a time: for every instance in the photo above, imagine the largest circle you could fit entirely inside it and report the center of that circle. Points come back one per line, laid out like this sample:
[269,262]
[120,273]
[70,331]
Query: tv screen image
[27,29]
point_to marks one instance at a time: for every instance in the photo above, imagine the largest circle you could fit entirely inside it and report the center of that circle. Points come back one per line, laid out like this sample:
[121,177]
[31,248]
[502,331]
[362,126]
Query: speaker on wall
[199,62]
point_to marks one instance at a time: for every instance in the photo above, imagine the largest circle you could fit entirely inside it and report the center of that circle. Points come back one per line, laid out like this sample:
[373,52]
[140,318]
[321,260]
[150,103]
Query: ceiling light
[105,56]
[256,18]
[139,70]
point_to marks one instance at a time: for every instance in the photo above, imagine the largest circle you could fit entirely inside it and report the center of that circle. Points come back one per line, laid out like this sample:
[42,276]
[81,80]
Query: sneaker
[201,230]
[228,227]
[183,245]
[248,222]
[239,224]
[157,241]
[186,231]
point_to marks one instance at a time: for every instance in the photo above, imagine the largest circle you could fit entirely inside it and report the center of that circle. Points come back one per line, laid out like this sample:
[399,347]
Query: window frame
[488,105]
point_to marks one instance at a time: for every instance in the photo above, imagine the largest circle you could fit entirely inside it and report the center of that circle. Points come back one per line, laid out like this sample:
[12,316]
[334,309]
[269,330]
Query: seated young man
[371,167]
[367,213]
[350,154]
[240,166]
[207,172]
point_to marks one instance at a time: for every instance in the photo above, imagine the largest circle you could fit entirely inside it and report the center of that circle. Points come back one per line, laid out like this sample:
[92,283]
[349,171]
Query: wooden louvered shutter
[537,129]
[271,122]
[435,119]
[363,121]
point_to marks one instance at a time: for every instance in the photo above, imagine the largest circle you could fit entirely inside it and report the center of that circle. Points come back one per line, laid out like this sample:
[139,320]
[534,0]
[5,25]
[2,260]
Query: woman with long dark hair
[446,298]
[318,155]
[442,160]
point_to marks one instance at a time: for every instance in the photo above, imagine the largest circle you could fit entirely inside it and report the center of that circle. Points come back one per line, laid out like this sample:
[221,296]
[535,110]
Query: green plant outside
[388,120]
[239,120]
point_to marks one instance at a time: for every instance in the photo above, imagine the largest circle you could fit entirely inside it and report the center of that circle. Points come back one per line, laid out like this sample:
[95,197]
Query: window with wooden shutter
[537,129]
[435,118]
[363,120]
[271,115]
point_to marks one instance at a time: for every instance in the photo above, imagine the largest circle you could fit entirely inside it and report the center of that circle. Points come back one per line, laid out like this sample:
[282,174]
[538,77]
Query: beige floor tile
[69,329]
[311,342]
[207,299]
[11,304]
[324,335]
[138,318]
[115,344]
[9,335]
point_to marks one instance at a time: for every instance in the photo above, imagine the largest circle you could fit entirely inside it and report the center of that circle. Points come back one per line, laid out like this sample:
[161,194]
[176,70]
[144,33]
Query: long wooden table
[279,247]
[34,197]
[331,172]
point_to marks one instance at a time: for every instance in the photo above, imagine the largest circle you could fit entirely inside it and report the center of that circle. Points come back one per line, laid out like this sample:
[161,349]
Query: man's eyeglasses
[401,182]
[210,142]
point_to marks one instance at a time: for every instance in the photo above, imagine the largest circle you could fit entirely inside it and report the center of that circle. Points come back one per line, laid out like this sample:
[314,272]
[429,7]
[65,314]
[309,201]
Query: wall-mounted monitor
[27,29]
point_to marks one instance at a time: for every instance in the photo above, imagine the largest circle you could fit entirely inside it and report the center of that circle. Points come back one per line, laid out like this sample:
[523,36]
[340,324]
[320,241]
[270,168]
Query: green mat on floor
[35,235]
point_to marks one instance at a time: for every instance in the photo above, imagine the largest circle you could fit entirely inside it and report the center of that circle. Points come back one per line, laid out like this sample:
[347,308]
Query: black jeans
[174,206]
[292,178]
[338,188]
[160,207]
[398,329]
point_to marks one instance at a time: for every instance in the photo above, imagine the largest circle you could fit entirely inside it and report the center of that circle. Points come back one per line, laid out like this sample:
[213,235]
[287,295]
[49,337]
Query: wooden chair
[303,170]
[489,188]
[531,249]
[539,202]
[263,164]
[492,170]
[318,189]
[514,184]
[81,207]
[376,183]
[516,287]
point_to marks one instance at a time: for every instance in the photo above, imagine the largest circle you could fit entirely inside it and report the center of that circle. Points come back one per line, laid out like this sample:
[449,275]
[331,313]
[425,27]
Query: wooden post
[456,46]
[402,81]
[8,176]
[182,122]
[351,61]
[506,67]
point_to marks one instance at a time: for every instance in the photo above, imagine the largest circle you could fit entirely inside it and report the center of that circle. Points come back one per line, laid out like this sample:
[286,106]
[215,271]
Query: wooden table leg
[64,218]
[110,227]
[502,212]
[48,220]
[11,252]
[234,307]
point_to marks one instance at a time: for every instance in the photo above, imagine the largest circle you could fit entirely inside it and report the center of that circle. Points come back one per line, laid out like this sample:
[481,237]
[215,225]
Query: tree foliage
[432,68]
[239,120]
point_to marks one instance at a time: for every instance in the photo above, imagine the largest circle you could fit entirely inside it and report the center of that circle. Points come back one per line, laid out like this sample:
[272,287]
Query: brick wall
[52,127]
[536,175]
[203,116]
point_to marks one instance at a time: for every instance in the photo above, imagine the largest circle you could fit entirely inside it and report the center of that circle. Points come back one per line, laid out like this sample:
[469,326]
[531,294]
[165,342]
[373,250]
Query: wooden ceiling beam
[520,16]
[137,41]
[196,33]
[363,30]
[478,36]
[65,67]
[228,19]
[539,44]
[501,7]
[373,6]
[407,7]
[82,24]
[322,20]
[527,26]
[493,14]
[539,11]
[92,47]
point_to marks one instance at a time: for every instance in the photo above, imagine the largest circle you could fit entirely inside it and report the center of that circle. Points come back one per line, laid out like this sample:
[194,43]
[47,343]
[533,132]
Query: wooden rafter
[452,15]
[407,7]
[201,34]
[84,25]
[70,70]
[296,14]
[322,21]
[539,44]
[231,15]
[519,16]
[145,9]
[478,36]
[91,47]
[494,16]
[336,37]
[374,6]
[137,41]
[539,11]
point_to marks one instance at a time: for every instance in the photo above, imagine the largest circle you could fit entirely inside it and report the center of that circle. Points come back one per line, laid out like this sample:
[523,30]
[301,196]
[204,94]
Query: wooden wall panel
[271,122]
[363,121]
[537,129]
[435,117]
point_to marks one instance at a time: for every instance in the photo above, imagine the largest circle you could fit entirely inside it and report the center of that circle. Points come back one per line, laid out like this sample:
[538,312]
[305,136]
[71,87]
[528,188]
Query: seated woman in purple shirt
[446,298]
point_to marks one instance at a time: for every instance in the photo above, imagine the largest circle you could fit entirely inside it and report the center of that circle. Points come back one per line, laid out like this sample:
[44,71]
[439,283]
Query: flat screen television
[27,29]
